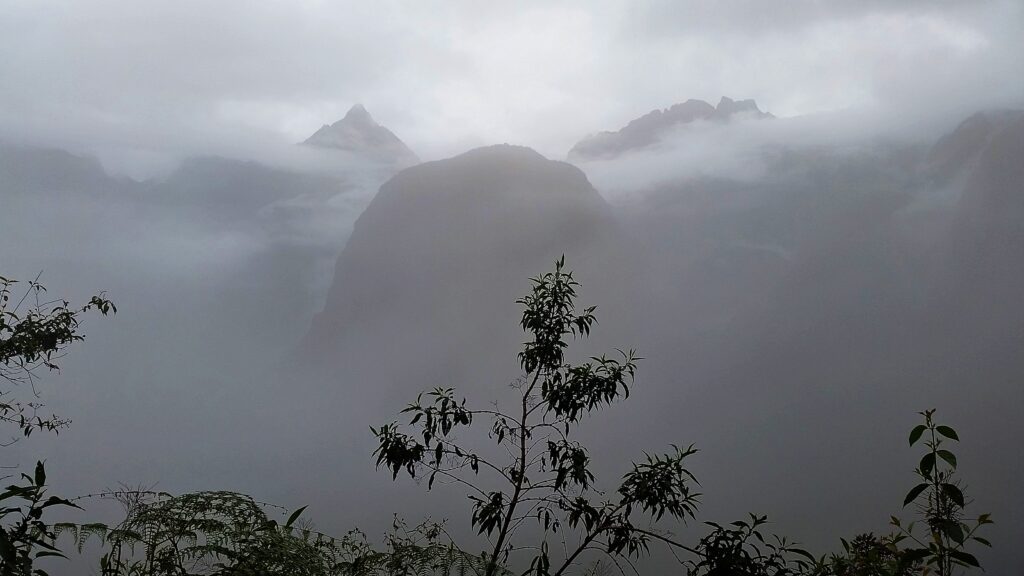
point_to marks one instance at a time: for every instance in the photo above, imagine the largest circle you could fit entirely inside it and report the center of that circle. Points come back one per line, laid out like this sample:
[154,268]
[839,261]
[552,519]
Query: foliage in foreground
[34,333]
[535,474]
[230,534]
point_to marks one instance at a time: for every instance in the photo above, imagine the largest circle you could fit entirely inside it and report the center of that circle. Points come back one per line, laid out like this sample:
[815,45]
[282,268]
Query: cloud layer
[174,78]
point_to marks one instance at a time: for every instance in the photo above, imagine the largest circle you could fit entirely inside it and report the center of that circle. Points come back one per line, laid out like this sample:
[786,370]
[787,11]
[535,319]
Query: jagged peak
[358,132]
[358,114]
[650,128]
[692,103]
[727,107]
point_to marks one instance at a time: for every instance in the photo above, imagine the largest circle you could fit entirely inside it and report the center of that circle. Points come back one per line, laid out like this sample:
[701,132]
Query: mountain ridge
[648,129]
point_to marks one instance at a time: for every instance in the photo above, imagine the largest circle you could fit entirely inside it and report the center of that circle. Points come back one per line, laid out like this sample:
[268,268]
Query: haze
[800,283]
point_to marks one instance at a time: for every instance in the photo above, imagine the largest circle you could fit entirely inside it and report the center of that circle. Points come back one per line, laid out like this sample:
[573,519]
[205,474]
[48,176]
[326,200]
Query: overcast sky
[157,77]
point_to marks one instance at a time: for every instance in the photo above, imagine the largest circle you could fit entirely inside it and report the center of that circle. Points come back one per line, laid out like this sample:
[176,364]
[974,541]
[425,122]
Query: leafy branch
[545,474]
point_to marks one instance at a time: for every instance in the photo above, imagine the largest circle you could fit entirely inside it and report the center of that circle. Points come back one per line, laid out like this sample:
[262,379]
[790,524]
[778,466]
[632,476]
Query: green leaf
[804,553]
[914,493]
[916,433]
[954,494]
[46,553]
[295,516]
[916,554]
[948,457]
[964,557]
[56,501]
[947,432]
[40,474]
[983,541]
[956,532]
[927,464]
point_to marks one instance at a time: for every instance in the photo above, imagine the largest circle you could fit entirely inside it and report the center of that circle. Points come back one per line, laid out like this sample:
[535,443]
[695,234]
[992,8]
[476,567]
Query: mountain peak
[361,135]
[431,226]
[357,114]
[651,127]
[727,107]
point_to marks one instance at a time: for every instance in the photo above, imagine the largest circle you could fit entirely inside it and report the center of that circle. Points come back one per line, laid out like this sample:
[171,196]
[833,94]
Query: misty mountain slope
[435,263]
[721,247]
[817,296]
[228,236]
[839,256]
[831,291]
[984,266]
[211,185]
[34,170]
[651,127]
[360,134]
[959,150]
[237,189]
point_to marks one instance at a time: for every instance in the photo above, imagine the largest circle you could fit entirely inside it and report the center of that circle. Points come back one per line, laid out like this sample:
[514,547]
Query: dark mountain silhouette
[446,244]
[361,135]
[651,127]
